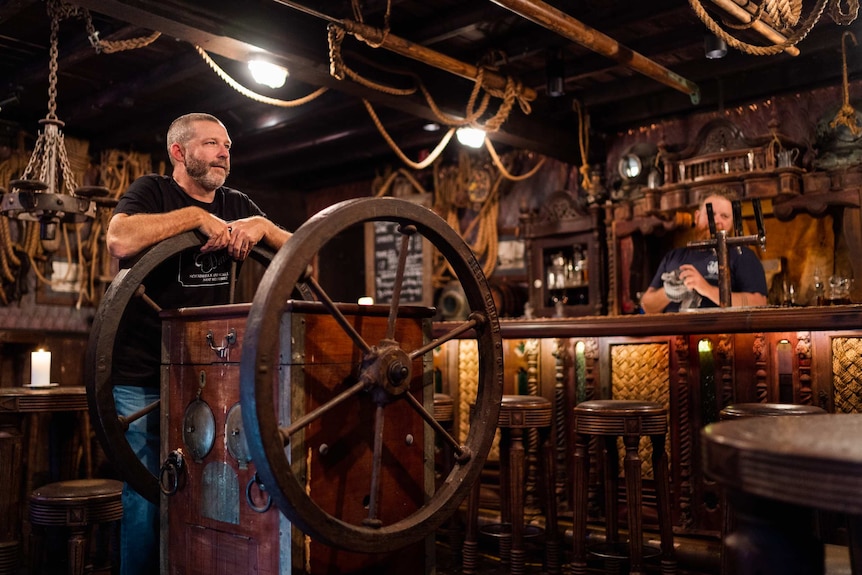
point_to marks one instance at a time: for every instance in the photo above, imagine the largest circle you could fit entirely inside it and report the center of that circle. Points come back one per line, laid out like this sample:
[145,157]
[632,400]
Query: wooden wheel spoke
[473,320]
[406,233]
[141,292]
[303,421]
[339,317]
[127,420]
[376,464]
[439,429]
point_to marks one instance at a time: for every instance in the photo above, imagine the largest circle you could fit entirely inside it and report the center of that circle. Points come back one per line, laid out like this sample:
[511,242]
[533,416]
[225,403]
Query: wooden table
[779,471]
[33,408]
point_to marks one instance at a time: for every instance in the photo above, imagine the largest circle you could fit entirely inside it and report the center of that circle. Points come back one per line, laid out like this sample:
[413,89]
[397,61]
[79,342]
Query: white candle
[40,368]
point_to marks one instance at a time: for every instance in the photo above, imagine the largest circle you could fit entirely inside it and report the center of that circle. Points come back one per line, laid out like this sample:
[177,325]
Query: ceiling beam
[236,30]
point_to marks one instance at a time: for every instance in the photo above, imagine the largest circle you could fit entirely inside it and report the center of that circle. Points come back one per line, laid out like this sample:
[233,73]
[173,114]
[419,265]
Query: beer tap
[719,242]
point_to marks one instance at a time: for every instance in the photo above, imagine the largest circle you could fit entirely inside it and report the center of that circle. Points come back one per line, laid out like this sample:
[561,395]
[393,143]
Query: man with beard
[153,209]
[687,278]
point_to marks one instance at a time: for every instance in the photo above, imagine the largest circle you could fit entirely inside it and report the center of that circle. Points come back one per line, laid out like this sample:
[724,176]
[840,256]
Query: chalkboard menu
[383,244]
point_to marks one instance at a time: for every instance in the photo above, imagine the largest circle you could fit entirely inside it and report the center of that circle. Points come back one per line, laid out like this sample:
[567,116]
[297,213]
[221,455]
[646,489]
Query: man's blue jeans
[139,528]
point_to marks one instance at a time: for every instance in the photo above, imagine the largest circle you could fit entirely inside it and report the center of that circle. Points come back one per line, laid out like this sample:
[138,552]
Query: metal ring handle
[259,508]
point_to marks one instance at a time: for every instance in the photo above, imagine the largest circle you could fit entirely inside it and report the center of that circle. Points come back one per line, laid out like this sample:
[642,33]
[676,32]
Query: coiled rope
[795,37]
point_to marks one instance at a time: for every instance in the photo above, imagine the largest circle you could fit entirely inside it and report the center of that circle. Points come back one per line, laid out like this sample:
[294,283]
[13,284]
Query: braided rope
[584,145]
[504,172]
[113,46]
[846,116]
[254,95]
[839,16]
[733,42]
[468,378]
[415,165]
[785,13]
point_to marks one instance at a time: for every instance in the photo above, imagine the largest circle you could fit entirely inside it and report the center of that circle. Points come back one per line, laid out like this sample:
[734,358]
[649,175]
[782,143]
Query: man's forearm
[128,235]
[275,236]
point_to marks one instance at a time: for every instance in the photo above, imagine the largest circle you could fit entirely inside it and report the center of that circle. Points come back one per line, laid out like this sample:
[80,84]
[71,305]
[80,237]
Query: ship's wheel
[383,374]
[109,427]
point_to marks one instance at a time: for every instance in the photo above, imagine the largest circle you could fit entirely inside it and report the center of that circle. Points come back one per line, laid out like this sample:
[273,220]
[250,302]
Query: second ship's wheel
[383,374]
[109,427]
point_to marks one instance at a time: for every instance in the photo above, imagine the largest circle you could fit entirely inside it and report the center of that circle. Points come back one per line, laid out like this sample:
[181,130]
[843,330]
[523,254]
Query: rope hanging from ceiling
[846,116]
[254,95]
[780,15]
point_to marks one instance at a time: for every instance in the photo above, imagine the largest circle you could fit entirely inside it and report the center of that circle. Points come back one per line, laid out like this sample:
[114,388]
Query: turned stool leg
[37,550]
[517,461]
[552,543]
[662,481]
[77,547]
[854,532]
[634,484]
[611,471]
[470,553]
[505,533]
[580,483]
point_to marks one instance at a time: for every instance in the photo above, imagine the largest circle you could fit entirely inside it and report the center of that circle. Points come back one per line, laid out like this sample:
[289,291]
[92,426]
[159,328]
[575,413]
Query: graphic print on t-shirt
[206,269]
[712,269]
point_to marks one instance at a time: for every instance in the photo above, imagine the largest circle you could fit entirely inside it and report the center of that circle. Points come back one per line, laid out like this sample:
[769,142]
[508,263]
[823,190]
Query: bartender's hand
[692,280]
[674,288]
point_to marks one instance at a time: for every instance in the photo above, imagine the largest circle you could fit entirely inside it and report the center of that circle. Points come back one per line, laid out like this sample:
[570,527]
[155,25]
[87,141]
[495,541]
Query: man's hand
[217,232]
[693,280]
[244,235]
[674,288]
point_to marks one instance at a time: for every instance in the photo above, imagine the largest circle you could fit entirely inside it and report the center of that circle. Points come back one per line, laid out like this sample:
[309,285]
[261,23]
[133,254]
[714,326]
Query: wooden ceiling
[126,99]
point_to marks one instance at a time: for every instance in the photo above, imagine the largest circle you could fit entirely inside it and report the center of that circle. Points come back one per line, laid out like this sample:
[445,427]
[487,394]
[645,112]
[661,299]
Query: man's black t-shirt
[190,279]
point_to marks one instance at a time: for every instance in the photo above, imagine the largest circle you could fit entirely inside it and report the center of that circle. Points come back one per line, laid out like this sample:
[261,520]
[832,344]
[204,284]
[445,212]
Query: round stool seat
[620,417]
[739,410]
[77,502]
[79,505]
[525,411]
[444,408]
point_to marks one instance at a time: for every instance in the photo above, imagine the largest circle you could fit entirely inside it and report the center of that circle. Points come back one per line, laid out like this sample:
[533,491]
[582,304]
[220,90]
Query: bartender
[687,278]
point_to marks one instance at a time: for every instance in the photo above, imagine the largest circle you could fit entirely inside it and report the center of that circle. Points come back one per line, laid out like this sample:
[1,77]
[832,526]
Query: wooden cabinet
[566,258]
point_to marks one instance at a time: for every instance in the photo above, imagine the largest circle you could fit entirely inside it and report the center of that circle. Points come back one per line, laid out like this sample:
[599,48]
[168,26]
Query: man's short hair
[182,129]
[728,194]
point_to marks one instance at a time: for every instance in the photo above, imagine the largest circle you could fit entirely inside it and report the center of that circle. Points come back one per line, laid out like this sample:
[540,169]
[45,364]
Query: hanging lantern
[46,192]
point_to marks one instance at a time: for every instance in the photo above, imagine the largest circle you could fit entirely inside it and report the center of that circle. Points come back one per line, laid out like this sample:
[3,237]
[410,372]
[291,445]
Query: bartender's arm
[694,281]
[654,300]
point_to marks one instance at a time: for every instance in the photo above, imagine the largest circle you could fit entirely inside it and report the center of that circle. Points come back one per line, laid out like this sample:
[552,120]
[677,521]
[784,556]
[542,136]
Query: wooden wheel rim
[259,362]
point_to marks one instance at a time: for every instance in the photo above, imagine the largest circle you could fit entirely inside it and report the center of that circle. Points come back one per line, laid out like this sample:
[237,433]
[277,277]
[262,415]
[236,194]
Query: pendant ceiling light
[39,194]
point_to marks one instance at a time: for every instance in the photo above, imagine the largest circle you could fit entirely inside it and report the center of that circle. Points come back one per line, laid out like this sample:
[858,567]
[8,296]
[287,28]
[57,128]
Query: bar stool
[742,411]
[632,420]
[444,414]
[518,413]
[79,505]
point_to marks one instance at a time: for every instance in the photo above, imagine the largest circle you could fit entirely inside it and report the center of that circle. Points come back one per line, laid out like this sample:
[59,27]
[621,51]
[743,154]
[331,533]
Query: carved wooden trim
[761,386]
[803,358]
[686,485]
[724,350]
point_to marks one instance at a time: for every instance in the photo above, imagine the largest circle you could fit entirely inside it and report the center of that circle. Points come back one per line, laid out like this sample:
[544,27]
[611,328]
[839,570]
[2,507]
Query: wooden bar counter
[695,363]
